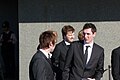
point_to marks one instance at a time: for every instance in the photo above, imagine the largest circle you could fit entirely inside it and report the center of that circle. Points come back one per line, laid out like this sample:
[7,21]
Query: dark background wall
[37,11]
[9,12]
[69,10]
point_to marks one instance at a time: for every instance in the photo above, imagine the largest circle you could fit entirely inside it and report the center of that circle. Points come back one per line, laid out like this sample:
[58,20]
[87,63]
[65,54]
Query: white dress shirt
[67,43]
[89,51]
[46,54]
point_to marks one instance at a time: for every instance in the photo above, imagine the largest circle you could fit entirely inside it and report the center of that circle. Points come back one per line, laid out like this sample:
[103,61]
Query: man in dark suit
[115,62]
[40,67]
[84,60]
[7,43]
[59,54]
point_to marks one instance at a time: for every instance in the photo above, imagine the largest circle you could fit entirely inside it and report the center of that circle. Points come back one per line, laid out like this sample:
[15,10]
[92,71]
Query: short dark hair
[46,37]
[90,25]
[5,24]
[66,29]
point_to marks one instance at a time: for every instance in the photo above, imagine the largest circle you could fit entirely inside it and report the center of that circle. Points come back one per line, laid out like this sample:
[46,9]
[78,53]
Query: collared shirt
[46,54]
[89,51]
[67,43]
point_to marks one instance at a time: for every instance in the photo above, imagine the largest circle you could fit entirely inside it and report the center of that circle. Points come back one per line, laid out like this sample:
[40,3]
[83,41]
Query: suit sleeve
[100,66]
[69,56]
[115,65]
[39,70]
[55,58]
[56,54]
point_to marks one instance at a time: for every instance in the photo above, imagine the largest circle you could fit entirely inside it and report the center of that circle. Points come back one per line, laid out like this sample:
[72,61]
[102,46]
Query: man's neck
[89,43]
[46,50]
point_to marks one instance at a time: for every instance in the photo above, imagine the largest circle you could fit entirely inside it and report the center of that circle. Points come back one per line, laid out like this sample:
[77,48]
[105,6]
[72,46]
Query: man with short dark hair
[7,42]
[84,60]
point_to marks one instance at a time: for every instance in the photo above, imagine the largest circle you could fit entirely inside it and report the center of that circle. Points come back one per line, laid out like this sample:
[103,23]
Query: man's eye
[88,34]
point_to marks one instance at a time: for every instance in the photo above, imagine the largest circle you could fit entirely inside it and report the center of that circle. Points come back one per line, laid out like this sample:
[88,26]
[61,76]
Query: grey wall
[40,15]
[107,36]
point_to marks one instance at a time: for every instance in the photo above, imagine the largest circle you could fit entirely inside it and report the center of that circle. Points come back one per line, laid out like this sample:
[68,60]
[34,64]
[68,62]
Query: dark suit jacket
[58,58]
[40,68]
[1,69]
[59,54]
[115,62]
[75,59]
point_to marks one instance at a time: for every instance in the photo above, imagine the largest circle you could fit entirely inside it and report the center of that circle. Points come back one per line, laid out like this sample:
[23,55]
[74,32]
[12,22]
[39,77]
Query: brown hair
[66,29]
[47,37]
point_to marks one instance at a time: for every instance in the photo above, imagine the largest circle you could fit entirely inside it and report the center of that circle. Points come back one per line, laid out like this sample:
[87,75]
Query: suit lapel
[48,60]
[80,49]
[64,46]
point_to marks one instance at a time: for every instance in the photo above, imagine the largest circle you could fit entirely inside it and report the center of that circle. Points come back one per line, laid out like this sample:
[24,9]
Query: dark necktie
[86,53]
[49,58]
[49,55]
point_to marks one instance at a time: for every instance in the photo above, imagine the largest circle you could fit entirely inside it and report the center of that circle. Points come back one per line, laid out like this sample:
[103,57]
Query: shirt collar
[67,43]
[91,44]
[43,51]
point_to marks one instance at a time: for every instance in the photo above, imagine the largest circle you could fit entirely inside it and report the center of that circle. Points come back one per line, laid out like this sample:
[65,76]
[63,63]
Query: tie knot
[87,46]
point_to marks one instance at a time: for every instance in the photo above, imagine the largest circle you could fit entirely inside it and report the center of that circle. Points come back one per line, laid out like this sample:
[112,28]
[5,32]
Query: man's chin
[86,42]
[71,41]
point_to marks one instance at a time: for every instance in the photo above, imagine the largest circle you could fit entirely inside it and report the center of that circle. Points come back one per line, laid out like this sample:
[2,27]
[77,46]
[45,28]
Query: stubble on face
[70,36]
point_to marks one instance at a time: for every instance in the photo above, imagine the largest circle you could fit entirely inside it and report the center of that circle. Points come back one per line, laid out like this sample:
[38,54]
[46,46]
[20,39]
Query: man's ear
[94,34]
[50,44]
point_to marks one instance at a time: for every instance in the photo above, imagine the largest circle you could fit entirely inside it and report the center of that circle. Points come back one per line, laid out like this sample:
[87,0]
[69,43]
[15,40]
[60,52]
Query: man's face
[52,46]
[69,36]
[88,35]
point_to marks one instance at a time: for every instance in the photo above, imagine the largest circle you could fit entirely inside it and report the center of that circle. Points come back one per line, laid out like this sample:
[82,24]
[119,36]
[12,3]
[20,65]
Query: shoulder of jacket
[116,49]
[100,47]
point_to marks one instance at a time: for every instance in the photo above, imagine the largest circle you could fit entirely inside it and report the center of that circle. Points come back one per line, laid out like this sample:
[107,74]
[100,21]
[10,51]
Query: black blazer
[59,55]
[40,67]
[58,59]
[115,62]
[1,69]
[75,59]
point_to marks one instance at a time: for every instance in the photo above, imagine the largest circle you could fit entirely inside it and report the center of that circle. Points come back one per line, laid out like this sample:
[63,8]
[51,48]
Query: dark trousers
[1,74]
[8,55]
[59,75]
